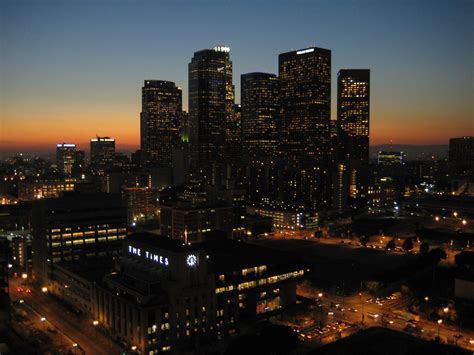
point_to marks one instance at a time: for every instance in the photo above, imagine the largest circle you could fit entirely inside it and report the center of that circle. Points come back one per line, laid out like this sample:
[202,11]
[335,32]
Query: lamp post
[439,327]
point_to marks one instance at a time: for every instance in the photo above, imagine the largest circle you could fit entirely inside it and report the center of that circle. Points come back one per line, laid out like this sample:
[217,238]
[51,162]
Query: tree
[408,244]
[424,248]
[391,244]
[438,254]
[363,240]
[279,339]
[318,234]
[372,286]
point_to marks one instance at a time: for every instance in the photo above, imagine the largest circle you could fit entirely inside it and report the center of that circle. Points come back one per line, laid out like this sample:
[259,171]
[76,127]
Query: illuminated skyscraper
[305,113]
[353,114]
[259,96]
[160,121]
[66,155]
[461,157]
[211,100]
[102,152]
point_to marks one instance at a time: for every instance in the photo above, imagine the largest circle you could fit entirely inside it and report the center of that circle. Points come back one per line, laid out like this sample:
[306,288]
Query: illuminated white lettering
[303,51]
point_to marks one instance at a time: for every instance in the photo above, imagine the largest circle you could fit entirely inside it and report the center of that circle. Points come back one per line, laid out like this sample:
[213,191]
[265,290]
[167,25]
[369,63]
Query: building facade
[66,156]
[160,121]
[32,190]
[353,114]
[75,226]
[461,158]
[305,116]
[102,152]
[211,101]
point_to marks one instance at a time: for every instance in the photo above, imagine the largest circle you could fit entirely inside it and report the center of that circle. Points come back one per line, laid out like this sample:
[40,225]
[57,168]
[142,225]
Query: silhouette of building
[160,122]
[211,101]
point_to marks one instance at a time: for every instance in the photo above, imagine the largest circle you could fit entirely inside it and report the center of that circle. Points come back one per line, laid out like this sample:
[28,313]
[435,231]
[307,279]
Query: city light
[24,276]
[44,289]
[96,322]
[43,319]
[464,222]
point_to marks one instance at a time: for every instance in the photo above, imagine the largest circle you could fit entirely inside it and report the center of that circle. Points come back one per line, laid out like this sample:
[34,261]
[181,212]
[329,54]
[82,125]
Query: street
[67,330]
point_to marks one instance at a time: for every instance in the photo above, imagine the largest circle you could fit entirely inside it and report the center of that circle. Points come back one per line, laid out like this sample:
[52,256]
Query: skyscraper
[66,155]
[353,114]
[259,96]
[211,100]
[305,110]
[102,152]
[461,157]
[160,121]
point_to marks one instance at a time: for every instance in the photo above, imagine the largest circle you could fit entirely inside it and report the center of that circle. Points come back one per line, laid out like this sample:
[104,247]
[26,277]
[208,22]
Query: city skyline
[420,69]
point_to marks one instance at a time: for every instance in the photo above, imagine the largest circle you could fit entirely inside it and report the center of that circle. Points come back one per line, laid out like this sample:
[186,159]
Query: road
[71,329]
[345,311]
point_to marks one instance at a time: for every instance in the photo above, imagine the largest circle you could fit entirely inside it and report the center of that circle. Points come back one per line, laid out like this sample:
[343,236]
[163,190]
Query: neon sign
[149,255]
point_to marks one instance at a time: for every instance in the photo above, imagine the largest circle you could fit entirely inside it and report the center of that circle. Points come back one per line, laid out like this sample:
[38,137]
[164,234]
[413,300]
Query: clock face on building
[191,260]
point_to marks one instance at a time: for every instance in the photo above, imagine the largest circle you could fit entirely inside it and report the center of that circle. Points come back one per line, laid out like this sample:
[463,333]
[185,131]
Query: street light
[134,347]
[44,289]
[455,214]
[24,276]
[320,295]
[464,222]
[439,325]
[427,298]
[96,322]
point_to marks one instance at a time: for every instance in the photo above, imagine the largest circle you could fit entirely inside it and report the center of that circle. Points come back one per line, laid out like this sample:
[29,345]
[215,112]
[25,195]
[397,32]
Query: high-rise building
[461,157]
[102,152]
[353,114]
[211,100]
[66,155]
[305,119]
[233,135]
[259,96]
[160,121]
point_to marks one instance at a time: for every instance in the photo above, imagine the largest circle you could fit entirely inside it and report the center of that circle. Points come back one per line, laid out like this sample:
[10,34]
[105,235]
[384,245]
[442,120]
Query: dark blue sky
[70,60]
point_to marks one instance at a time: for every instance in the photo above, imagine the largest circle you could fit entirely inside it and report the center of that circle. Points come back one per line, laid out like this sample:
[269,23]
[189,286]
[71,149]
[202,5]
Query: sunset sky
[72,69]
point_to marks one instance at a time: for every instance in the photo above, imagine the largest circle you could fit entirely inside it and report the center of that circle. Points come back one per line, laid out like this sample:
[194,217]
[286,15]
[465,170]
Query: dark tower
[211,100]
[353,114]
[305,114]
[160,121]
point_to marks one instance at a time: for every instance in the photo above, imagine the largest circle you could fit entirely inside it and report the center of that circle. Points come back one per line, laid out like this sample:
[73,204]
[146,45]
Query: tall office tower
[461,157]
[102,152]
[160,121]
[305,118]
[353,114]
[211,100]
[66,155]
[259,96]
[233,135]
